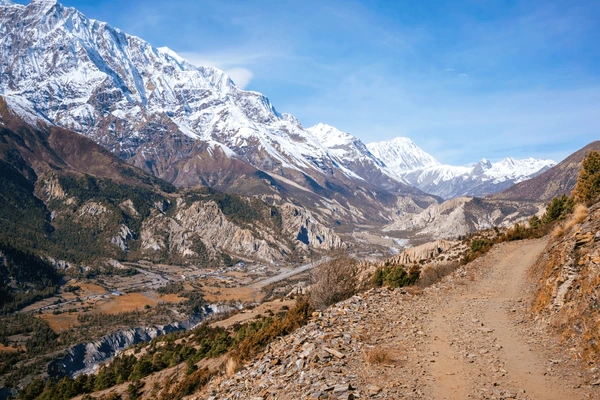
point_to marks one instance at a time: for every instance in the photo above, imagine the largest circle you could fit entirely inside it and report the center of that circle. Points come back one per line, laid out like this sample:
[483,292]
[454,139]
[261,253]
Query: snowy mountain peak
[483,178]
[330,136]
[44,5]
[152,107]
[6,3]
[482,166]
[401,154]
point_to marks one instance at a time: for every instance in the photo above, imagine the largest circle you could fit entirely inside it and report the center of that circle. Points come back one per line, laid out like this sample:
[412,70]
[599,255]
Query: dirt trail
[469,336]
[476,339]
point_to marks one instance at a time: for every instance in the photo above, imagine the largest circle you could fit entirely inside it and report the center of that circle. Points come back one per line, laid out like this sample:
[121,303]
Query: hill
[556,181]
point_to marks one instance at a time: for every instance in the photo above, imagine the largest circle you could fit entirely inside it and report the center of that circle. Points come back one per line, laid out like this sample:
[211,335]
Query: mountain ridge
[159,112]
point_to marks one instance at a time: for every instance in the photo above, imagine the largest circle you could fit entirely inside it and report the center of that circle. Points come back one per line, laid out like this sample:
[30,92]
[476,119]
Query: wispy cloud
[237,64]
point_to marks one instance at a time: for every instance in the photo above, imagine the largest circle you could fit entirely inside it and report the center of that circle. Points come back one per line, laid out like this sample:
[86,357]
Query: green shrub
[480,245]
[395,276]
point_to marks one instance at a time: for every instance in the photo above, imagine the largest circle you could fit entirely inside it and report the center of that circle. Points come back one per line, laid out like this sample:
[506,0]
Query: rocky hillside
[568,274]
[73,200]
[558,180]
[469,336]
[458,217]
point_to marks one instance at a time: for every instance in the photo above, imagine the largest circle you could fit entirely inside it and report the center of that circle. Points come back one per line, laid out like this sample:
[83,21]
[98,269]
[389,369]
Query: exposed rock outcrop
[120,240]
[299,222]
[426,251]
[569,286]
[85,358]
[458,217]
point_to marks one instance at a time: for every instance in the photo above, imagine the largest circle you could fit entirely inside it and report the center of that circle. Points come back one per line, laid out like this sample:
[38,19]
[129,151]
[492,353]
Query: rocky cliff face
[568,275]
[86,358]
[460,216]
[425,252]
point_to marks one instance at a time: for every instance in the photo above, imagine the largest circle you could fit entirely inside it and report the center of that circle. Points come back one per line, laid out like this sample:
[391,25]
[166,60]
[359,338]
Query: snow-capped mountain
[483,178]
[192,125]
[401,155]
[92,78]
[419,169]
[351,153]
[189,125]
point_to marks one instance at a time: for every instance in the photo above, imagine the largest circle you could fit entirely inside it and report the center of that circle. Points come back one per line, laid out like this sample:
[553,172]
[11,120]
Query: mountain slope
[189,125]
[553,182]
[70,199]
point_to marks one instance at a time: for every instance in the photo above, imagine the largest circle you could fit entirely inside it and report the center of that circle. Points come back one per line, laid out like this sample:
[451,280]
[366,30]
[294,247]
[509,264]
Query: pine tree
[588,182]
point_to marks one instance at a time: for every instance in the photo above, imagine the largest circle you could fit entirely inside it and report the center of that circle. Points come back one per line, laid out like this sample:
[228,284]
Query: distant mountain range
[191,125]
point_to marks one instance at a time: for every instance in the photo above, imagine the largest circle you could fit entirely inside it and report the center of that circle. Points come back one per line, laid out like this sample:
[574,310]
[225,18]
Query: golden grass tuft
[231,366]
[558,231]
[580,213]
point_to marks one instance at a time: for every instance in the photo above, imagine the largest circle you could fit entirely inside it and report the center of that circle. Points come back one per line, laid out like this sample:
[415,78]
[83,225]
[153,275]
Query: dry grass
[89,289]
[4,348]
[247,315]
[244,294]
[580,213]
[380,356]
[171,298]
[558,231]
[61,322]
[231,366]
[126,302]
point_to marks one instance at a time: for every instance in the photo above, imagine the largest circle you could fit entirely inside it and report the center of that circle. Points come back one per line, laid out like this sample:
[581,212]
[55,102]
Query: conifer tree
[588,182]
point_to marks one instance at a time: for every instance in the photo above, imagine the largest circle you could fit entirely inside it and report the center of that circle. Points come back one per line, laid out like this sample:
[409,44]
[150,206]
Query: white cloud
[240,76]
[232,64]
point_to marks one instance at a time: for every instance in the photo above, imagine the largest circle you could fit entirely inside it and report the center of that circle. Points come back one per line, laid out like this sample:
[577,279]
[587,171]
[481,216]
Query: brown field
[89,289]
[9,348]
[244,294]
[124,303]
[60,322]
[171,298]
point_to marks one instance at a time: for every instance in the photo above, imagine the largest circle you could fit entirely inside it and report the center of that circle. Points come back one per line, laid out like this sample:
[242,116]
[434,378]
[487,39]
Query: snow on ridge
[402,155]
[330,136]
[67,65]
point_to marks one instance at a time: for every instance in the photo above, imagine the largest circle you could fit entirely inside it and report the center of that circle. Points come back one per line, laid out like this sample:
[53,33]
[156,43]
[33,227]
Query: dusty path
[470,336]
[476,340]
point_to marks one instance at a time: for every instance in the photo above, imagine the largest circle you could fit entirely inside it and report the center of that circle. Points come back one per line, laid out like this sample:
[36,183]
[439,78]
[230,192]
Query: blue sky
[464,79]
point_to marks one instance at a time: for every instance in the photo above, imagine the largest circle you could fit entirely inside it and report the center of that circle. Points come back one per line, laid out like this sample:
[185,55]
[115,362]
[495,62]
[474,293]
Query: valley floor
[470,336]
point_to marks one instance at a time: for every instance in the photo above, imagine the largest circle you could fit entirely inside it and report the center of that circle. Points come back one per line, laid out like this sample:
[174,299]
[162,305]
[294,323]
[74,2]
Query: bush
[394,276]
[333,281]
[557,209]
[480,245]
